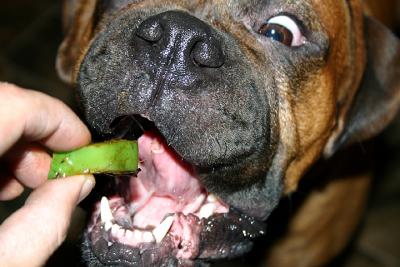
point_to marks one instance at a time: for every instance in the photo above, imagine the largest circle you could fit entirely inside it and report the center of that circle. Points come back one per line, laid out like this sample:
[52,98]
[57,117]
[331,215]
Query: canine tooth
[148,237]
[162,229]
[105,213]
[207,210]
[212,198]
[107,226]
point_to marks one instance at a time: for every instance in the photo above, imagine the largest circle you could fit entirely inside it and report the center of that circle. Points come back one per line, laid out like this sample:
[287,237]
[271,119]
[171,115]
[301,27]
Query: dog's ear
[78,18]
[378,99]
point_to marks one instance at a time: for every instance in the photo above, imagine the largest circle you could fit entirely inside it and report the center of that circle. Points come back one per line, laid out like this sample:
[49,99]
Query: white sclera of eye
[291,25]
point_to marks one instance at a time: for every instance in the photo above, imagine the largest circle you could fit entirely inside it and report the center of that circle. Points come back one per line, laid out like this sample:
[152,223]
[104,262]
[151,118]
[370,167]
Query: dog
[232,103]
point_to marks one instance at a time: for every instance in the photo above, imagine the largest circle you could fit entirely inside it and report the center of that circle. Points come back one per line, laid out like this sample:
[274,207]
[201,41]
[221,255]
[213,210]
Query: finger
[40,226]
[10,188]
[29,164]
[38,117]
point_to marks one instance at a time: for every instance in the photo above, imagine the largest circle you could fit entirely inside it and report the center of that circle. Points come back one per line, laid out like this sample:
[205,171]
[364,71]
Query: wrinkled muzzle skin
[249,114]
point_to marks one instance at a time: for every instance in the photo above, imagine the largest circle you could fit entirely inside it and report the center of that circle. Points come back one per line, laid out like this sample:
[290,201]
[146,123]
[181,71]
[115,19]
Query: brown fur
[77,21]
[323,225]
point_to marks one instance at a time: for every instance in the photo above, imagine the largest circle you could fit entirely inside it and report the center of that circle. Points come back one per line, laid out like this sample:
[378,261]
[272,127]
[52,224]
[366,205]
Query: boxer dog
[232,102]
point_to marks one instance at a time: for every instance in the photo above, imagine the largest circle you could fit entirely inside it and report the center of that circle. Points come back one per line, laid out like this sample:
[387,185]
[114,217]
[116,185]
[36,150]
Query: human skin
[32,123]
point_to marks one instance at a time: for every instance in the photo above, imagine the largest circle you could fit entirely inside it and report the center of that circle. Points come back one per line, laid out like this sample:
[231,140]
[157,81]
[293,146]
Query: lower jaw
[220,236]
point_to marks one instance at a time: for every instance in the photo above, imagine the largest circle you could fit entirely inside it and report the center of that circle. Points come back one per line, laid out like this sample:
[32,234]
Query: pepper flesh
[113,157]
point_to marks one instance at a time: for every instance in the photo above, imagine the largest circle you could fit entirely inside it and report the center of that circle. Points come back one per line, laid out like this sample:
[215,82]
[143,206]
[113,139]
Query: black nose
[192,40]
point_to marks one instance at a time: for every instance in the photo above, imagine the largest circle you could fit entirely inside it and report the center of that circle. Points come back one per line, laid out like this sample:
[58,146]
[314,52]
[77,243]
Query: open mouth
[164,216]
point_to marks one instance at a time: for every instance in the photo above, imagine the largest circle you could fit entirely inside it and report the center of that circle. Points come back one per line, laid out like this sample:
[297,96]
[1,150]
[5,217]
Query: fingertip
[71,133]
[85,183]
[73,130]
[88,184]
[55,124]
[66,191]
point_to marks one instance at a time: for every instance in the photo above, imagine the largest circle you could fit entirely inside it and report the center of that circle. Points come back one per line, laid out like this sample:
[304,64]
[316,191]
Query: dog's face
[232,101]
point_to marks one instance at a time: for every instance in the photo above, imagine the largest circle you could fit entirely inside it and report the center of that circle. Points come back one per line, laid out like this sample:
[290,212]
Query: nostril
[182,37]
[150,30]
[208,54]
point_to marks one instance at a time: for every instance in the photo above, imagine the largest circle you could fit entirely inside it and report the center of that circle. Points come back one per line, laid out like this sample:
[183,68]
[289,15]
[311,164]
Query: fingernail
[87,187]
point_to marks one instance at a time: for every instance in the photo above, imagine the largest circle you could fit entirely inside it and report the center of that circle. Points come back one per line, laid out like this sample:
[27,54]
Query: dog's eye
[283,29]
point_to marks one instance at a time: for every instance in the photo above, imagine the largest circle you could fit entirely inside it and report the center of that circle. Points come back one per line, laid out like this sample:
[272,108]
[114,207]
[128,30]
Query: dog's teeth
[137,235]
[115,229]
[207,210]
[161,230]
[107,225]
[106,214]
[212,198]
[148,237]
[129,234]
[121,233]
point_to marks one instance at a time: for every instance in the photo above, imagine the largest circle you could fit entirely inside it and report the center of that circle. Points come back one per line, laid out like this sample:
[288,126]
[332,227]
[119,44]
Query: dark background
[30,32]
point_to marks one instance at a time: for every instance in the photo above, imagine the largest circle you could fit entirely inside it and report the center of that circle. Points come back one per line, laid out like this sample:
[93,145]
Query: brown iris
[277,32]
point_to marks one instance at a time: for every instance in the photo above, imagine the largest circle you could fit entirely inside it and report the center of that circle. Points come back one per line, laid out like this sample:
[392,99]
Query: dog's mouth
[164,216]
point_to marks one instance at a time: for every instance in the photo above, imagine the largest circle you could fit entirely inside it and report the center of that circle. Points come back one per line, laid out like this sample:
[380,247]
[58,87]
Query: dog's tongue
[163,171]
[165,183]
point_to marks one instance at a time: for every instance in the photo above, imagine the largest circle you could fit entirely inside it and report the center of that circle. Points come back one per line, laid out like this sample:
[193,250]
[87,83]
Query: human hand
[31,123]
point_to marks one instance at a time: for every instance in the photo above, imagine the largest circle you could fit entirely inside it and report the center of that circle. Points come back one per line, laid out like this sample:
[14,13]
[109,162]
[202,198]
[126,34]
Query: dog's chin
[164,216]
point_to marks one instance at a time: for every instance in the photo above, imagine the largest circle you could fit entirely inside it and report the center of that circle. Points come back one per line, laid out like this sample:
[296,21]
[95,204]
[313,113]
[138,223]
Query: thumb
[31,234]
